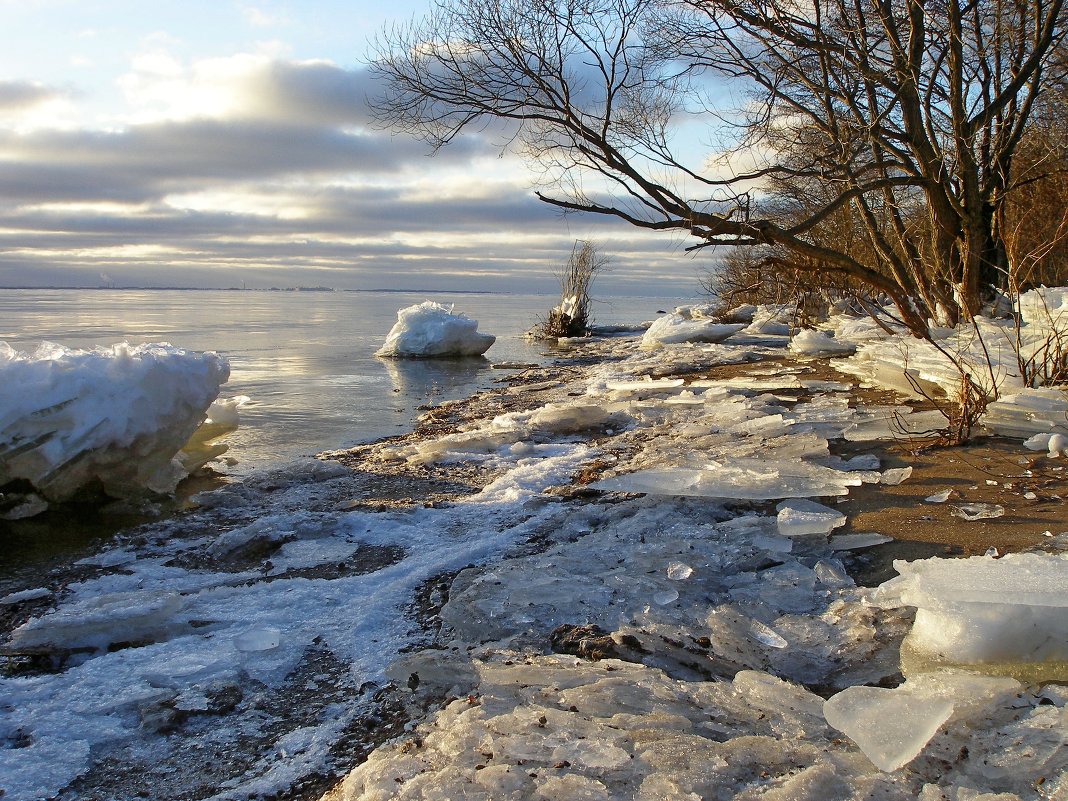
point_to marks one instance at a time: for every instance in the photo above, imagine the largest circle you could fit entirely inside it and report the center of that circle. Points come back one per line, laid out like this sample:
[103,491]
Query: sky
[227,143]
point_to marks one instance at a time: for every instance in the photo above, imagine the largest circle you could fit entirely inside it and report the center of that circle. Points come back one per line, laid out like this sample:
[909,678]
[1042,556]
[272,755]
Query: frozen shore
[487,608]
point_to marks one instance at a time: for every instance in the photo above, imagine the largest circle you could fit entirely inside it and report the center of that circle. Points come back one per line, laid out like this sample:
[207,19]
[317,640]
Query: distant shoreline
[255,289]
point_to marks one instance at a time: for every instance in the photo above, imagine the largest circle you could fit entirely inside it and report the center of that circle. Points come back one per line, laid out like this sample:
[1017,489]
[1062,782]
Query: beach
[376,609]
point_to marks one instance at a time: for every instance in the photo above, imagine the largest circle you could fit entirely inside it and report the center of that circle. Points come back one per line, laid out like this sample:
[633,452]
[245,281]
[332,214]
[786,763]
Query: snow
[115,417]
[432,330]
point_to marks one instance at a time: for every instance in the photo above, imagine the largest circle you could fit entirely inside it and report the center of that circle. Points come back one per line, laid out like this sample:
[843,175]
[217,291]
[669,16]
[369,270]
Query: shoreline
[554,512]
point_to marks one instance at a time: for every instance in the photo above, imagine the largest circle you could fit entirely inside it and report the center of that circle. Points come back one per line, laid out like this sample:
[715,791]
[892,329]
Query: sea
[303,358]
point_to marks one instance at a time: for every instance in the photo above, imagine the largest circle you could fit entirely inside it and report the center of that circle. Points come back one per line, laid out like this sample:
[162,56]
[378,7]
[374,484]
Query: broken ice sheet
[799,517]
[939,497]
[891,728]
[850,542]
[891,478]
[978,511]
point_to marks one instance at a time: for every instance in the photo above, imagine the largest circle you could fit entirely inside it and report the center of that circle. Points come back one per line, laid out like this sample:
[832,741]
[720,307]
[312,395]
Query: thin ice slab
[742,478]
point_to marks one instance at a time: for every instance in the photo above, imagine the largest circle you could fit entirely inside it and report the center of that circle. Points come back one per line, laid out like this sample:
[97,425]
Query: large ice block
[429,330]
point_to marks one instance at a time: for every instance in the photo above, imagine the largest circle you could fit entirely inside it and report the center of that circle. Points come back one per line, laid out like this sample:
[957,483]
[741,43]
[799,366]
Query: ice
[800,517]
[674,328]
[264,639]
[742,478]
[25,595]
[679,571]
[978,511]
[940,497]
[774,320]
[892,726]
[114,417]
[1003,615]
[1054,444]
[430,330]
[810,342]
[893,477]
[645,385]
[849,542]
[1027,412]
[98,622]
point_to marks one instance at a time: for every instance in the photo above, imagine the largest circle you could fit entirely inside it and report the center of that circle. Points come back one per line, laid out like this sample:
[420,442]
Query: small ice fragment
[992,553]
[850,542]
[665,597]
[991,483]
[258,640]
[25,595]
[1030,496]
[798,517]
[893,477]
[831,573]
[679,571]
[766,635]
[978,511]
[939,497]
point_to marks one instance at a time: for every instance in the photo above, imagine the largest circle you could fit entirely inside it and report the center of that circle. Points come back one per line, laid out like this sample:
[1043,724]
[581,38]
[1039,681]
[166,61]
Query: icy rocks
[114,417]
[432,330]
[1005,616]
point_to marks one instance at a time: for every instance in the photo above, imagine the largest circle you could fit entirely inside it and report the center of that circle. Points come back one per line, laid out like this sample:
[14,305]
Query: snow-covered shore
[265,642]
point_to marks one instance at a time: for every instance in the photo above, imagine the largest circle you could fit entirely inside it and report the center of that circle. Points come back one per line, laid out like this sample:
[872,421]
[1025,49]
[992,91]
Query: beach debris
[114,418]
[433,330]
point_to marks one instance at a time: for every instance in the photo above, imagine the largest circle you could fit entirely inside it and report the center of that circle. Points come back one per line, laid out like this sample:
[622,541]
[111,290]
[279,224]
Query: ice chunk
[429,330]
[800,517]
[679,571]
[114,417]
[893,477]
[1004,615]
[741,478]
[97,622]
[766,635]
[1028,411]
[939,497]
[262,639]
[811,342]
[645,384]
[25,595]
[978,511]
[674,328]
[850,542]
[891,728]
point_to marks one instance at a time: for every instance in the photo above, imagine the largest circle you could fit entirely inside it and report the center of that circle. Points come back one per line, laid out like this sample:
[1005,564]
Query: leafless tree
[906,112]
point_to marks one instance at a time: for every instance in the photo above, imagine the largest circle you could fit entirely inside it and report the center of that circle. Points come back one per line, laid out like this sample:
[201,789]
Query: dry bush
[572,317]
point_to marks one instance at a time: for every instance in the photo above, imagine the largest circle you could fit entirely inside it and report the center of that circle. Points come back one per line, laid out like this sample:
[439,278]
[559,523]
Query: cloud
[23,95]
[223,169]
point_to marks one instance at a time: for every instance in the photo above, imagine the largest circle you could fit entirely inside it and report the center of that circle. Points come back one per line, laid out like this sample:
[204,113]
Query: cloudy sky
[214,142]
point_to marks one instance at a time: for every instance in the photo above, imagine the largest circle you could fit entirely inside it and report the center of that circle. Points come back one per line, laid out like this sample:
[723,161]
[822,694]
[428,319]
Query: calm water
[304,358]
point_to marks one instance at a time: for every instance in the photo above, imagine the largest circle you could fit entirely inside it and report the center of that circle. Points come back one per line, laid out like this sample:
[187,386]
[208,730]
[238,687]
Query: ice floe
[114,418]
[430,330]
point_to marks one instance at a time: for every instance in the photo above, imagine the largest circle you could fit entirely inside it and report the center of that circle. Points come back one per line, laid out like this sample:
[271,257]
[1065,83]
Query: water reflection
[434,378]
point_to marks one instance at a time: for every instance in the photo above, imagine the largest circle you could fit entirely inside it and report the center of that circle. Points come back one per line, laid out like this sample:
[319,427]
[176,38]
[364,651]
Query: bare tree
[900,110]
